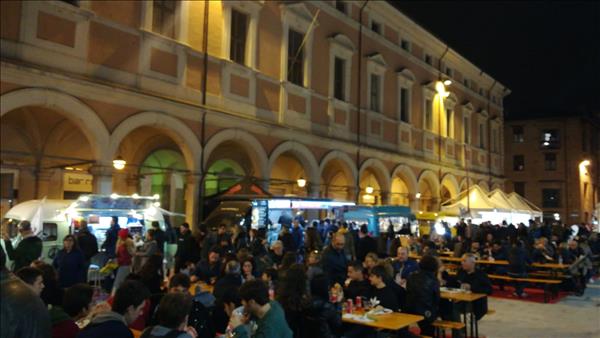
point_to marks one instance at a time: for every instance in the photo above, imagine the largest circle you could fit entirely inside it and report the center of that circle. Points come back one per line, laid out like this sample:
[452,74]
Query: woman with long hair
[292,294]
[70,263]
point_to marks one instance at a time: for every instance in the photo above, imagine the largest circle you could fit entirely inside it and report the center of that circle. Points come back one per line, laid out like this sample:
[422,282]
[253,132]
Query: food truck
[52,220]
[379,218]
[269,213]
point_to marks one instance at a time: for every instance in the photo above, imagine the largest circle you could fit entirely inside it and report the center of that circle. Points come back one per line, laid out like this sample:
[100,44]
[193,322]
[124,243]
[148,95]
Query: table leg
[465,319]
[476,325]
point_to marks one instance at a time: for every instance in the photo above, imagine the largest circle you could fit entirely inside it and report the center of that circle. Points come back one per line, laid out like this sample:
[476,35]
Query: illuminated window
[428,115]
[518,134]
[550,139]
[450,123]
[550,198]
[518,162]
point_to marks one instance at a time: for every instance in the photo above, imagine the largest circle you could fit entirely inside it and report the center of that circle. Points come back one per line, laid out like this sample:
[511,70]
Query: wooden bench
[440,327]
[545,282]
[490,312]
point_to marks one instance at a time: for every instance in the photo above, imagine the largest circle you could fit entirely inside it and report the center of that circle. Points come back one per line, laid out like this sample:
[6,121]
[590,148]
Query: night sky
[547,53]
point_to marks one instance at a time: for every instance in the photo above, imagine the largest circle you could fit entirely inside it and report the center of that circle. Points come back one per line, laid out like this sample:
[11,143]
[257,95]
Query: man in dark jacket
[334,260]
[185,247]
[112,234]
[357,286]
[366,243]
[297,236]
[471,279]
[209,270]
[159,237]
[423,293]
[87,242]
[22,312]
[403,266]
[127,306]
[28,250]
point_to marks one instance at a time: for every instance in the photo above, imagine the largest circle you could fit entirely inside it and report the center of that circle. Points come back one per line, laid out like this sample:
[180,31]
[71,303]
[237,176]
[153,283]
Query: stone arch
[309,162]
[76,111]
[381,172]
[246,141]
[342,157]
[429,188]
[464,185]
[173,127]
[408,176]
[449,182]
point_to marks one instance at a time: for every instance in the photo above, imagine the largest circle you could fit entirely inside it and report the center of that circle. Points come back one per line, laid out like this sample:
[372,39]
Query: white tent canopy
[521,203]
[475,200]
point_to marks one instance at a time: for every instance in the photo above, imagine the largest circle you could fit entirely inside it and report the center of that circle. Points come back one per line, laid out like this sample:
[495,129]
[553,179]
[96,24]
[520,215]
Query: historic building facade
[553,162]
[346,95]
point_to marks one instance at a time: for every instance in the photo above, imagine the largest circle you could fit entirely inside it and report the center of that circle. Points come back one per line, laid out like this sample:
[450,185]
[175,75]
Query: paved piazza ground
[572,317]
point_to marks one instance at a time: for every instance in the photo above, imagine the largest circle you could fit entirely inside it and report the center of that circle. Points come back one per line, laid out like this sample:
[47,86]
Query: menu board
[260,213]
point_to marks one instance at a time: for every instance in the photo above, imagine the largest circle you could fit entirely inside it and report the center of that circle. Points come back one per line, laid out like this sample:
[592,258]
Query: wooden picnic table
[388,321]
[552,266]
[469,316]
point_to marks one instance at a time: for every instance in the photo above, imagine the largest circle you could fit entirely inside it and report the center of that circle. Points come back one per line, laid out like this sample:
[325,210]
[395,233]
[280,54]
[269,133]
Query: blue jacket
[297,237]
[71,267]
[405,269]
[335,265]
[108,324]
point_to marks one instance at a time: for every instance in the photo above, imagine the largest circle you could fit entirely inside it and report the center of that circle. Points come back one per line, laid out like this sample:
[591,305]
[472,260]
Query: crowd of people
[295,286]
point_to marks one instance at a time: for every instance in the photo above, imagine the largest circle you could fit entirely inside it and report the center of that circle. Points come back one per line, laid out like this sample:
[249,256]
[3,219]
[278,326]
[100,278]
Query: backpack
[201,319]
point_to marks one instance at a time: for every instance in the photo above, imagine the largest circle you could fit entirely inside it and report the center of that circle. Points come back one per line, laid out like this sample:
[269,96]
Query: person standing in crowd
[32,277]
[87,243]
[297,235]
[70,263]
[334,260]
[127,306]
[292,294]
[28,249]
[124,253]
[159,236]
[112,235]
[148,250]
[518,262]
[172,314]
[22,312]
[423,293]
[313,241]
[276,253]
[270,318]
[349,247]
[185,247]
[77,303]
[366,243]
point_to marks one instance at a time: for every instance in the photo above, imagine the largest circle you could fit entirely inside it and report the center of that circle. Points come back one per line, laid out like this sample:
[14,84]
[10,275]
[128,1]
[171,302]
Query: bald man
[334,260]
[472,279]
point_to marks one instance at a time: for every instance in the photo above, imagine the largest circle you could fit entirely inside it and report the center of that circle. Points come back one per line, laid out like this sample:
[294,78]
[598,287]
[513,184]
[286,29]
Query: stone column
[192,189]
[133,184]
[43,178]
[313,190]
[413,202]
[103,177]
[385,197]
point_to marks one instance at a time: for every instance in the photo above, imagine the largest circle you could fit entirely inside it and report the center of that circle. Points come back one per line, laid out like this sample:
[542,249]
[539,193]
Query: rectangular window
[520,188]
[163,17]
[495,140]
[550,139]
[550,198]
[428,59]
[518,162]
[405,44]
[376,27]
[339,84]
[449,123]
[449,71]
[375,93]
[404,115]
[239,30]
[49,232]
[466,131]
[428,115]
[481,136]
[341,6]
[518,134]
[550,162]
[295,58]
[466,82]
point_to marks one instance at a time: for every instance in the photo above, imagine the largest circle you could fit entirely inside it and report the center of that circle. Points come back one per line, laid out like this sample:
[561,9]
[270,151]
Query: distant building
[553,161]
[284,91]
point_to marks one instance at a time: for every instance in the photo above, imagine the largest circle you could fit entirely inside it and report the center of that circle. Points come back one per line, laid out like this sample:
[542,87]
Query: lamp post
[440,87]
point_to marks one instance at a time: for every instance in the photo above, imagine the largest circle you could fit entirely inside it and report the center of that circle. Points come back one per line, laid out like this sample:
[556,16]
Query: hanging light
[119,163]
[301,182]
[369,190]
[418,195]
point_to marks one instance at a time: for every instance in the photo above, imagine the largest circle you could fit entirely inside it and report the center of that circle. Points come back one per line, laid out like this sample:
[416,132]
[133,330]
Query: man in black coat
[366,243]
[110,240]
[159,236]
[28,249]
[334,260]
[474,280]
[185,247]
[87,242]
[423,293]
